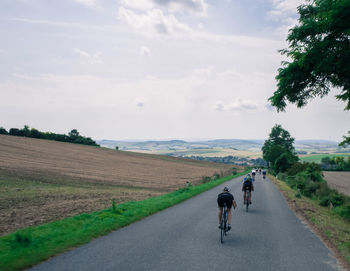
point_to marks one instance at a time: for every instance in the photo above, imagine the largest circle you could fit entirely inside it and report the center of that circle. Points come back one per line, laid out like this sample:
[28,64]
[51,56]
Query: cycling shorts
[247,187]
[225,198]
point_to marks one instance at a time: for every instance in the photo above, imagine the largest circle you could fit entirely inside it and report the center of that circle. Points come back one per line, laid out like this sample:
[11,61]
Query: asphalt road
[186,237]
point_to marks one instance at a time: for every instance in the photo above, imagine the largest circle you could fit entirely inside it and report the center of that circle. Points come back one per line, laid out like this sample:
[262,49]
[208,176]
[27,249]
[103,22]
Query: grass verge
[333,230]
[30,246]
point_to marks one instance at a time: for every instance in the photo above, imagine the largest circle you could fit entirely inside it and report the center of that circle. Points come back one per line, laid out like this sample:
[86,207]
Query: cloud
[198,7]
[238,105]
[153,22]
[87,3]
[88,58]
[145,51]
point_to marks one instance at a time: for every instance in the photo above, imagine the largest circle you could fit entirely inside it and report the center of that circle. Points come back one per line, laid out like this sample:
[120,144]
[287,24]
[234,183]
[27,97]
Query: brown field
[339,180]
[42,181]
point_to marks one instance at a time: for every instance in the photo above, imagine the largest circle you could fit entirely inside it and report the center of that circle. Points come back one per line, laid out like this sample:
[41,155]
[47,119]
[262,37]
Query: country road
[186,237]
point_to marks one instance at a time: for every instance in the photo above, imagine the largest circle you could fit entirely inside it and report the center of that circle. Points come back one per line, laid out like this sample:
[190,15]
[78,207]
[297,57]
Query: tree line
[338,163]
[72,137]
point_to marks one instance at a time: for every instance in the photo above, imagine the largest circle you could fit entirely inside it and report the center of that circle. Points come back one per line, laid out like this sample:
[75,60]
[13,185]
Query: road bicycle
[223,224]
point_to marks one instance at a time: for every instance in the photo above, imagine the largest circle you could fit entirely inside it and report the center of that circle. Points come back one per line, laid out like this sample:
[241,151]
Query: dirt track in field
[43,180]
[339,180]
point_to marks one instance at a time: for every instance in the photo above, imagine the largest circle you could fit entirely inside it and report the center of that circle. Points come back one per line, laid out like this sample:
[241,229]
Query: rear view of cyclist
[253,174]
[226,197]
[264,173]
[247,186]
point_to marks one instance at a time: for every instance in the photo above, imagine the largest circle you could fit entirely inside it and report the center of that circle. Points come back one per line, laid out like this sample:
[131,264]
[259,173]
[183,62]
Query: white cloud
[145,51]
[153,22]
[88,58]
[198,7]
[87,3]
[238,105]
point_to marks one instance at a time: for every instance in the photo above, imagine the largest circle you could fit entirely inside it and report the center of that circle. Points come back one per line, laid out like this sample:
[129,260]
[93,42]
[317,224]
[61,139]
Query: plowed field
[339,180]
[43,180]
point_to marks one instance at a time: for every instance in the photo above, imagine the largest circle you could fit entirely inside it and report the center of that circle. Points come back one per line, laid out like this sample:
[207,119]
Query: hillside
[45,180]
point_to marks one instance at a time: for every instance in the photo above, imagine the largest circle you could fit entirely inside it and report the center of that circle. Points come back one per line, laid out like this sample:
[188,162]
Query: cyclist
[264,173]
[253,174]
[226,197]
[247,186]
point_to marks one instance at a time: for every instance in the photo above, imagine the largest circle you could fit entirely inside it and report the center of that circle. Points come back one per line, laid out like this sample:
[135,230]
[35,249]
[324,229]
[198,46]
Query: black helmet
[226,189]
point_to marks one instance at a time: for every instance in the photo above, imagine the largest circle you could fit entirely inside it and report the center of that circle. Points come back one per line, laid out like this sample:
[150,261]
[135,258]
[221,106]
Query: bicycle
[247,202]
[223,224]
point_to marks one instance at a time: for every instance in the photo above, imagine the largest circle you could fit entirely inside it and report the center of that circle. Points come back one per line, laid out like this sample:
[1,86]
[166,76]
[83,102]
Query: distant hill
[237,144]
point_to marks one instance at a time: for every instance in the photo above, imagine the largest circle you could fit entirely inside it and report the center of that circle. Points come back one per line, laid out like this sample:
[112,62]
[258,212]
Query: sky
[153,69]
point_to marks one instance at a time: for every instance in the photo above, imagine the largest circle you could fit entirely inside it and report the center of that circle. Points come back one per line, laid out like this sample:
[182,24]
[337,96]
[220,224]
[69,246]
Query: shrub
[336,198]
[281,176]
[206,179]
[310,188]
[325,201]
[343,211]
[296,168]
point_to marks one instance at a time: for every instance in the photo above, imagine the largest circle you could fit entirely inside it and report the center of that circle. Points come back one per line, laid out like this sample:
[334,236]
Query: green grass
[32,245]
[318,157]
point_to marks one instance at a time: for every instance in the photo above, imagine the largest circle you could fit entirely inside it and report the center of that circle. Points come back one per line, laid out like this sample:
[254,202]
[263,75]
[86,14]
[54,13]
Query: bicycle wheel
[222,227]
[247,200]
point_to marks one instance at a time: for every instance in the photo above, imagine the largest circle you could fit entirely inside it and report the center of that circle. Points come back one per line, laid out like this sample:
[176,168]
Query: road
[186,237]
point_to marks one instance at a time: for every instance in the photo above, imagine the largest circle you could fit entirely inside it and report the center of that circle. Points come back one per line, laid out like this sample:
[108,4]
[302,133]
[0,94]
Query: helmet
[226,189]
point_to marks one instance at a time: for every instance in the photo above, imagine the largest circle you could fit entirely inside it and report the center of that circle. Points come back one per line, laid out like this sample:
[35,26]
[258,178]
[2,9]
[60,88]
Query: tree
[319,47]
[278,150]
[3,131]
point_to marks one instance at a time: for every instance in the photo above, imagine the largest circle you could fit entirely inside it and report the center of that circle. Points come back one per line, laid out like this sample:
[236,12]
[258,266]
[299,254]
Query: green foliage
[3,131]
[72,137]
[346,141]
[278,149]
[336,163]
[320,49]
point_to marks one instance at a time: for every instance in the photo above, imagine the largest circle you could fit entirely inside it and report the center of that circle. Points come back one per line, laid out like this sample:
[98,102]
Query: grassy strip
[333,229]
[32,245]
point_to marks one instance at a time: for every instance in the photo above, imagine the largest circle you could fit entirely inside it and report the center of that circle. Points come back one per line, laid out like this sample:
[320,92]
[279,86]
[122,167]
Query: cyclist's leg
[244,195]
[229,216]
[220,214]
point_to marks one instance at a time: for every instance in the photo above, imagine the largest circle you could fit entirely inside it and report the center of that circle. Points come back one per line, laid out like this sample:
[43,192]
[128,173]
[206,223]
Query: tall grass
[32,245]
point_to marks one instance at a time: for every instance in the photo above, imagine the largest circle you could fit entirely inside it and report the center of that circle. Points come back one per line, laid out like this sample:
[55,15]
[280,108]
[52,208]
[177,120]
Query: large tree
[319,49]
[278,149]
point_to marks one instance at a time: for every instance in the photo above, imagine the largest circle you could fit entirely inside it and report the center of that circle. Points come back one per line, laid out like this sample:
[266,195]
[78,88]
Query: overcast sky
[152,69]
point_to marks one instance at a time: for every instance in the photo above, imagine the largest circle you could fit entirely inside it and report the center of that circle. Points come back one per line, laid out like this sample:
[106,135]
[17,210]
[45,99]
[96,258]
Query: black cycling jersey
[225,197]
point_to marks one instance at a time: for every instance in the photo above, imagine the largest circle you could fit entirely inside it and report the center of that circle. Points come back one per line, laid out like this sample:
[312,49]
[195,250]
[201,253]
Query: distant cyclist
[247,186]
[253,174]
[264,173]
[226,197]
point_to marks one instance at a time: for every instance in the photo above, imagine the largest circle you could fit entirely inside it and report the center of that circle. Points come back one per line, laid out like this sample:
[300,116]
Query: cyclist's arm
[234,204]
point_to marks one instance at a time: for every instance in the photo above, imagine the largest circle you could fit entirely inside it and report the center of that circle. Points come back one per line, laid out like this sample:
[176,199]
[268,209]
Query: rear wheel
[247,200]
[222,227]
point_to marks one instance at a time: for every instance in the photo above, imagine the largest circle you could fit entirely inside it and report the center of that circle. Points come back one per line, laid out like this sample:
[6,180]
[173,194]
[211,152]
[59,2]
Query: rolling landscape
[175,135]
[43,180]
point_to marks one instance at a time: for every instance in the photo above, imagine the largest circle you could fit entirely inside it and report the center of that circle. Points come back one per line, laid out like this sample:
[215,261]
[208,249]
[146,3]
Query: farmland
[42,181]
[339,180]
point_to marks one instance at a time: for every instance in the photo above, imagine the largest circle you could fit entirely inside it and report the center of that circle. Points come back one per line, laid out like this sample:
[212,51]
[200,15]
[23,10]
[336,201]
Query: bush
[325,201]
[343,211]
[336,198]
[281,176]
[310,188]
[206,179]
[296,168]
